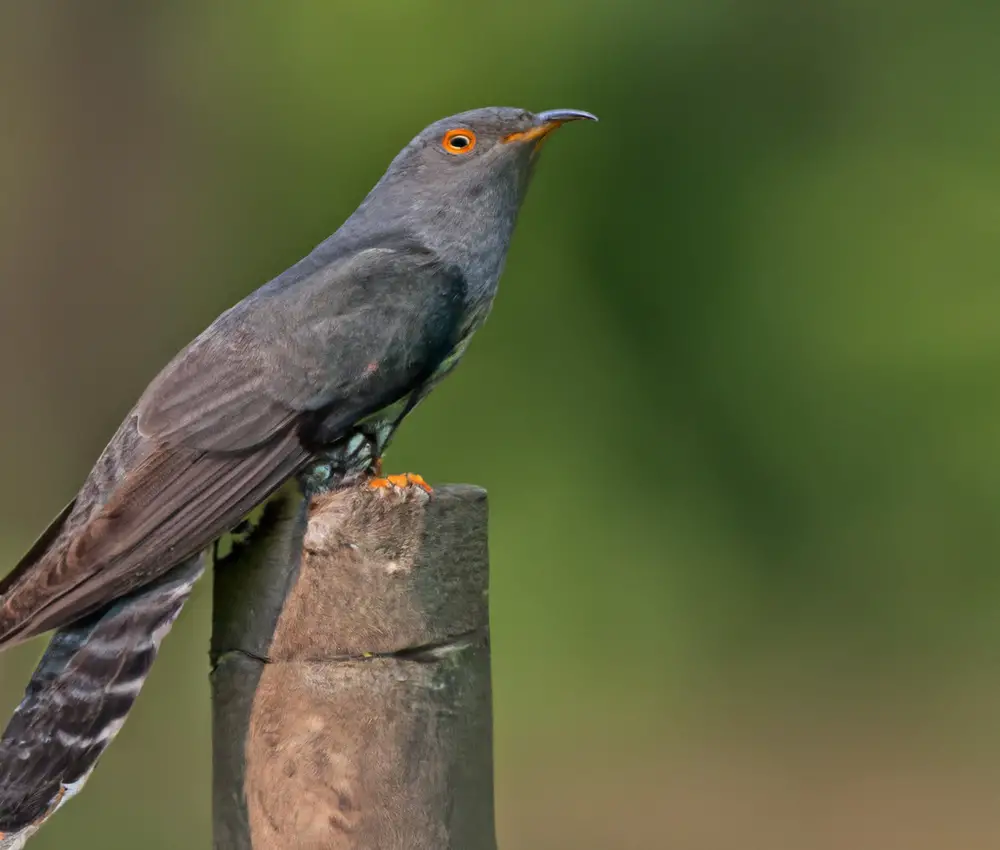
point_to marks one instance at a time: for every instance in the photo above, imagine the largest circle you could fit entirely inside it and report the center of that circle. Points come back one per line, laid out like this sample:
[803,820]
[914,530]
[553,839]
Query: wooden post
[351,680]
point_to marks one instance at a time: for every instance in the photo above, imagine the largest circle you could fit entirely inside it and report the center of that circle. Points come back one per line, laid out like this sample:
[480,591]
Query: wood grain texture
[369,726]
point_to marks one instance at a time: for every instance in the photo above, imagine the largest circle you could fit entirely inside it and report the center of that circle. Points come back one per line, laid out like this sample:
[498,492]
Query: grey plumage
[316,368]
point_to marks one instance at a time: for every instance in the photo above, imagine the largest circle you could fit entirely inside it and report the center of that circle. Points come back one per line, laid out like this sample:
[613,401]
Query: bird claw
[400,482]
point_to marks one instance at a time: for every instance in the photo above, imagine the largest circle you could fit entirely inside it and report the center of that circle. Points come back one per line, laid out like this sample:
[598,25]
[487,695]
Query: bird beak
[548,121]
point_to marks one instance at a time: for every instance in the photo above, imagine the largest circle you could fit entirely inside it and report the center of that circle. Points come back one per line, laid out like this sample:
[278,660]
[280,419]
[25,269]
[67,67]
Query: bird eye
[459,141]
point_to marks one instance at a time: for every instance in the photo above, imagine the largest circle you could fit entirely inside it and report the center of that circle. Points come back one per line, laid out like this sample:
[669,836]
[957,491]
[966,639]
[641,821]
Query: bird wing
[353,334]
[223,424]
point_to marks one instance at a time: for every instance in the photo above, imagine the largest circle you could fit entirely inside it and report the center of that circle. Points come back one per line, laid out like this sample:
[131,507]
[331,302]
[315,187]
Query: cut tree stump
[351,675]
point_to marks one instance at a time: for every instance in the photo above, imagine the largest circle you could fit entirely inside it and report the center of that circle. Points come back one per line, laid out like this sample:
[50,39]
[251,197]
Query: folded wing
[224,425]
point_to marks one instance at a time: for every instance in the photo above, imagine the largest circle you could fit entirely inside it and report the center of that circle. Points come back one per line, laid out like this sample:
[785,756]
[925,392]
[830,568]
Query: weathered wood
[351,684]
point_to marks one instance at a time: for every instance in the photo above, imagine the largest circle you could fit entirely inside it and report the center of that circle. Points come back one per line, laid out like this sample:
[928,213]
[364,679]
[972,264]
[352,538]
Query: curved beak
[562,116]
[549,120]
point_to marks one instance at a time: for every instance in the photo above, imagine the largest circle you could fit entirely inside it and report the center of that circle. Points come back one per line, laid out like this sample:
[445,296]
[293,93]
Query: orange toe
[401,482]
[418,481]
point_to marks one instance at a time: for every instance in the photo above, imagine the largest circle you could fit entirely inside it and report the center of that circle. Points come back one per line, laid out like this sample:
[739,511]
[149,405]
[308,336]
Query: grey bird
[307,377]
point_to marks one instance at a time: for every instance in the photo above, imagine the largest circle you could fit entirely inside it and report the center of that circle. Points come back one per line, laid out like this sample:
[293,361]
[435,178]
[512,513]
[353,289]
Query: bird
[306,379]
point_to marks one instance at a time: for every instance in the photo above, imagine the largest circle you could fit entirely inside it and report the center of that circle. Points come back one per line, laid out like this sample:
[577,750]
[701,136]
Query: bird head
[475,154]
[461,181]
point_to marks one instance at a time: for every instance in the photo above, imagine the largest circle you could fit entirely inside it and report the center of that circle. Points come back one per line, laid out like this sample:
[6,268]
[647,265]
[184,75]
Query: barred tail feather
[78,698]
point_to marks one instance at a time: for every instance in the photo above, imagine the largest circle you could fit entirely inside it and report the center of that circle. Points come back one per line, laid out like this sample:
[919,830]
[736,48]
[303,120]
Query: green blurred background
[737,407]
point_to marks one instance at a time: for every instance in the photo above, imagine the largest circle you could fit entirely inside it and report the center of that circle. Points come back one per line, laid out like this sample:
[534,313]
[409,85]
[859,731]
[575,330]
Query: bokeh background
[737,408]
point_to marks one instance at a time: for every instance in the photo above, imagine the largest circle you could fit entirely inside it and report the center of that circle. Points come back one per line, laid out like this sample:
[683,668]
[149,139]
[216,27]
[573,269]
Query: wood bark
[351,676]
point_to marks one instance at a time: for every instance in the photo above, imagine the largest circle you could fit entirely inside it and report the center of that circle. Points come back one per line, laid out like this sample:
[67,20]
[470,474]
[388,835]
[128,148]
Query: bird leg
[364,452]
[353,459]
[395,482]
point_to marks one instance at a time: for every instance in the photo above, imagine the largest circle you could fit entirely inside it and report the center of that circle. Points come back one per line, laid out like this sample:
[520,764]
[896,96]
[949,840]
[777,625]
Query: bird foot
[400,482]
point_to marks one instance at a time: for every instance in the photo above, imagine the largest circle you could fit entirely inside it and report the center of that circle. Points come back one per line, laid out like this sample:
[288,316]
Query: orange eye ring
[459,141]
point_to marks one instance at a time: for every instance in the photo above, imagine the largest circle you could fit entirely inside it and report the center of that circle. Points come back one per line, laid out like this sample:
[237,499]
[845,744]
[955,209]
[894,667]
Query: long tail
[78,698]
